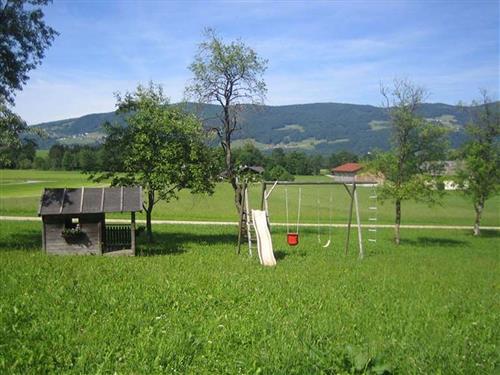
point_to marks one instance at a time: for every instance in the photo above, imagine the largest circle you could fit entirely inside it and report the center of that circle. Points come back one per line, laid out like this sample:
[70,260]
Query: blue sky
[318,51]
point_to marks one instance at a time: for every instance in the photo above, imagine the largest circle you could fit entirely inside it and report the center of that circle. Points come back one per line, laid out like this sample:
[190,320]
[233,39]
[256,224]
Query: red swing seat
[292,239]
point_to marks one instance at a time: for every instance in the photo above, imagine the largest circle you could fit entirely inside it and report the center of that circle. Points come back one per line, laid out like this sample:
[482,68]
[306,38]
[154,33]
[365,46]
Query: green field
[190,305]
[20,193]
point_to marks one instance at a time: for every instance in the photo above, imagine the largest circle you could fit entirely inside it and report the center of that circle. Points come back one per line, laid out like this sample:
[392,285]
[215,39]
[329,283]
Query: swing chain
[330,218]
[286,210]
[298,211]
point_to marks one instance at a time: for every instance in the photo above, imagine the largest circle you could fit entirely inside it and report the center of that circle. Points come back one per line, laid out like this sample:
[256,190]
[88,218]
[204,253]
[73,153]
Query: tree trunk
[479,210]
[149,211]
[238,194]
[238,191]
[149,229]
[397,235]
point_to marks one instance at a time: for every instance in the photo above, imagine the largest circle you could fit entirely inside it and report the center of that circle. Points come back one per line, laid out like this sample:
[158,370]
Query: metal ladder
[372,215]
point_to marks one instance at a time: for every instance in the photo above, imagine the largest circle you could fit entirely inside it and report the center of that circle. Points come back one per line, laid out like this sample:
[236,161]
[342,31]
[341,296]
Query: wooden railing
[118,236]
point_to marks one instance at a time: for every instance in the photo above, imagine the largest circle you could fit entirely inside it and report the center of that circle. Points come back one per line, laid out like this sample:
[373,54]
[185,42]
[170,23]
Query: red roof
[347,168]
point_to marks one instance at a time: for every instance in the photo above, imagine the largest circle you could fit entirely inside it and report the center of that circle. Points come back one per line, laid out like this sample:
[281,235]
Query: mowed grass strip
[190,305]
[20,192]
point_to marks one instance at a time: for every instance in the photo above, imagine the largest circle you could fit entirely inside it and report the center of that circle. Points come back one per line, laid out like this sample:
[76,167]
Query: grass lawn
[190,305]
[20,194]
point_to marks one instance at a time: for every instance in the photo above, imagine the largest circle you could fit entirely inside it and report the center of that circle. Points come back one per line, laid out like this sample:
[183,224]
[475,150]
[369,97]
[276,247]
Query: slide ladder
[264,241]
[246,226]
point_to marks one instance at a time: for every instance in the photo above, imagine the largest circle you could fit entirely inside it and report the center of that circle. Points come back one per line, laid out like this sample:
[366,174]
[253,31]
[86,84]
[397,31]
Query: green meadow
[20,194]
[189,304]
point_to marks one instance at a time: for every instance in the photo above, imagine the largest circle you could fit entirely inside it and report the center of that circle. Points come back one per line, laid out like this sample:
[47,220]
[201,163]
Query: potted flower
[73,234]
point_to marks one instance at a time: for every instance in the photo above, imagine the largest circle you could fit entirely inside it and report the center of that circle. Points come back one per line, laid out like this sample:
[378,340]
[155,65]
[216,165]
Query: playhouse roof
[64,201]
[347,168]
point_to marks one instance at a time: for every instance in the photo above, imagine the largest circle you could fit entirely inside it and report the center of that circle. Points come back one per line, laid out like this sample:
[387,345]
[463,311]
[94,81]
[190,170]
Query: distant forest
[277,164]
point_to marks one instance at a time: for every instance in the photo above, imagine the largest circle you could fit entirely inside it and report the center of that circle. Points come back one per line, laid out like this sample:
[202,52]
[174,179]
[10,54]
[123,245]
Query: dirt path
[231,223]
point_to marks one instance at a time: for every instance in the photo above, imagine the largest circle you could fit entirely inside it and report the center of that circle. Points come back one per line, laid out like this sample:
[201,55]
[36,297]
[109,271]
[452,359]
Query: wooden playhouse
[74,220]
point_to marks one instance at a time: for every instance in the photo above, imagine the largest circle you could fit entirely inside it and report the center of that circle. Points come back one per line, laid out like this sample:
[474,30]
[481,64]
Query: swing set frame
[350,186]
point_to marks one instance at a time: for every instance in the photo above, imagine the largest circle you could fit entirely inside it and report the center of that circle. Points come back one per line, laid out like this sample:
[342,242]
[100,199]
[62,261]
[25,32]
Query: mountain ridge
[310,127]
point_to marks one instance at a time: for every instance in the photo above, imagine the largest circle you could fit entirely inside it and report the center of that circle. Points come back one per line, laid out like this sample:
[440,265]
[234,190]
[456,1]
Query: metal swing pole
[351,193]
[298,211]
[360,238]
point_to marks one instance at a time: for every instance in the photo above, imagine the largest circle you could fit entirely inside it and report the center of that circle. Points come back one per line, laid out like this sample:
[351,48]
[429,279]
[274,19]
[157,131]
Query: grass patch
[190,305]
[19,198]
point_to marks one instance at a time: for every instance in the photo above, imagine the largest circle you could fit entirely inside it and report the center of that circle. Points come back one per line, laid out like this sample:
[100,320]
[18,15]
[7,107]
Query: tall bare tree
[230,75]
[418,146]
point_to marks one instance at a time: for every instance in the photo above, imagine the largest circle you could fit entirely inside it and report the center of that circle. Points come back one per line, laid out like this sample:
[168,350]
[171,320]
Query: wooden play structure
[344,175]
[74,220]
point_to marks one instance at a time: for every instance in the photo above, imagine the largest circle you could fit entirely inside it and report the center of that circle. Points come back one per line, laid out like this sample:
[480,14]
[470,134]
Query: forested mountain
[313,128]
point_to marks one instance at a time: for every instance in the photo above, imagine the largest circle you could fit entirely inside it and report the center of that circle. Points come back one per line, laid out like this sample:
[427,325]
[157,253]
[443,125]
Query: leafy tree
[278,157]
[69,161]
[316,162]
[23,40]
[298,163]
[249,155]
[418,145]
[112,154]
[40,163]
[342,157]
[24,37]
[12,127]
[229,75]
[278,173]
[163,149]
[24,163]
[56,154]
[26,153]
[88,159]
[480,176]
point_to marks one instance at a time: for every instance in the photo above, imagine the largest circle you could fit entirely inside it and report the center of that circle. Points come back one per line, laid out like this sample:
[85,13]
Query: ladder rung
[372,240]
[372,208]
[372,218]
[373,197]
[372,230]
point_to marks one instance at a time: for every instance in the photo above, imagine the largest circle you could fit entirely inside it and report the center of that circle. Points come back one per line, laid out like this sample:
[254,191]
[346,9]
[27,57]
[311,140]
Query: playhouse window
[71,222]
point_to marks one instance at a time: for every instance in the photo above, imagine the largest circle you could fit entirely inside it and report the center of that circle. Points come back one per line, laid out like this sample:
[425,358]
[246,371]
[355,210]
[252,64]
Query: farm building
[74,220]
[350,171]
[346,172]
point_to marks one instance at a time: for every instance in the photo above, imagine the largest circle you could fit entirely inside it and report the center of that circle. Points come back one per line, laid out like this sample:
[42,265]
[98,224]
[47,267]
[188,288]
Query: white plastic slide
[264,242]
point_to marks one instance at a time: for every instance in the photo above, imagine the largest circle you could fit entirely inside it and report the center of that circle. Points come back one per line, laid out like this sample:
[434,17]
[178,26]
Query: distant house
[349,171]
[74,220]
[346,172]
[452,167]
[444,168]
[447,169]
